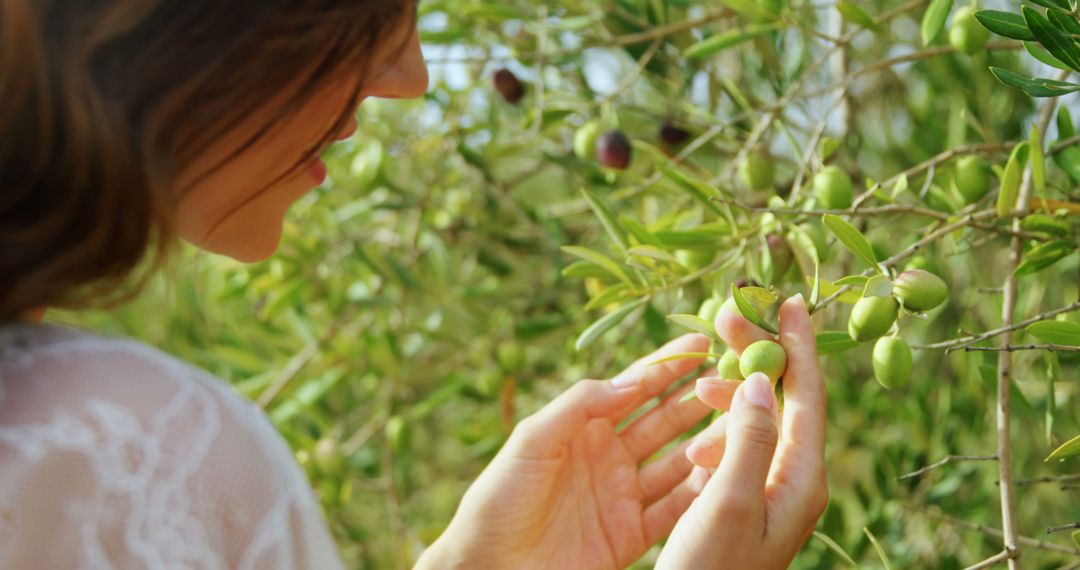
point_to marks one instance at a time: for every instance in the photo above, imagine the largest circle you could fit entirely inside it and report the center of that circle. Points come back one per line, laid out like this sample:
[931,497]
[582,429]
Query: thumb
[751,443]
[544,434]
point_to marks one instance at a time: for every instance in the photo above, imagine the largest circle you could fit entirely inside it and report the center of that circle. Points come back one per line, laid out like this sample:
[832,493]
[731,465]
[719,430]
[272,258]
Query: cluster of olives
[872,317]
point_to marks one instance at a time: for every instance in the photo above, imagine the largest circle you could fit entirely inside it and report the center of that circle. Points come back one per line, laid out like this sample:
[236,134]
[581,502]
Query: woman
[126,125]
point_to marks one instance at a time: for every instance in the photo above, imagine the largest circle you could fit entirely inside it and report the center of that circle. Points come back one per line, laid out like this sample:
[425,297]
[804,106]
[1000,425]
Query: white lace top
[114,455]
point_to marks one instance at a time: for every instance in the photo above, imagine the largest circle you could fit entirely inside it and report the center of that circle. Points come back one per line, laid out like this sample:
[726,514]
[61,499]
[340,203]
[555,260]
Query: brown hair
[102,104]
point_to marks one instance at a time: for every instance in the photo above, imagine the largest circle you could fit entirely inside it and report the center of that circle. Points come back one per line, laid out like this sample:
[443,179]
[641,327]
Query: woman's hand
[763,499]
[568,490]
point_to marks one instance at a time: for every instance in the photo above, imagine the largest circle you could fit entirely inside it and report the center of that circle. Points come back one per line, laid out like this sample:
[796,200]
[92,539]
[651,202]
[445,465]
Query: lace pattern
[126,458]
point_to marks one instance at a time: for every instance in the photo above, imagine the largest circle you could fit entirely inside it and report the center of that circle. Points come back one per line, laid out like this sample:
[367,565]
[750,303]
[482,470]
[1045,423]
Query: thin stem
[948,459]
[993,560]
[972,339]
[1016,347]
[990,531]
[1059,528]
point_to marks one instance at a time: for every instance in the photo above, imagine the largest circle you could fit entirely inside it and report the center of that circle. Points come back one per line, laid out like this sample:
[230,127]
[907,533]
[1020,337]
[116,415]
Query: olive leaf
[607,219]
[1005,24]
[604,324]
[1057,43]
[835,548]
[599,259]
[856,15]
[830,342]
[934,20]
[1069,449]
[749,312]
[877,546]
[684,356]
[1037,160]
[852,239]
[1036,87]
[715,44]
[694,323]
[1044,255]
[1010,181]
[1056,332]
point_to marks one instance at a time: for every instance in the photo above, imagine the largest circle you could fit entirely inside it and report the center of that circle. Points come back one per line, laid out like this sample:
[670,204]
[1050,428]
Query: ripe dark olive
[672,135]
[508,85]
[614,151]
[745,282]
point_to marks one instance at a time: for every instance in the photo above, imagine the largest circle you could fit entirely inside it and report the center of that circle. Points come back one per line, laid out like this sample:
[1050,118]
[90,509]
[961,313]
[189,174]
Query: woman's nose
[407,78]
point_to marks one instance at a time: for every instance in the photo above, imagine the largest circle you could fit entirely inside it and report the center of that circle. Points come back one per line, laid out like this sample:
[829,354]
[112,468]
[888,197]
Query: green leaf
[856,15]
[1065,123]
[1069,161]
[610,295]
[852,239]
[1056,42]
[1069,449]
[1064,21]
[652,252]
[877,546]
[715,44]
[694,323]
[599,259]
[684,356]
[607,219]
[1010,182]
[582,269]
[1037,161]
[750,8]
[1044,255]
[934,20]
[835,548]
[749,312]
[1062,4]
[604,324]
[1041,223]
[1076,538]
[1037,51]
[1034,86]
[1005,24]
[830,342]
[1056,332]
[856,281]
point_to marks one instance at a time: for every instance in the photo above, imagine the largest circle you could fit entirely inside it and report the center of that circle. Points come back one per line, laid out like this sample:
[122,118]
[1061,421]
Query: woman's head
[126,123]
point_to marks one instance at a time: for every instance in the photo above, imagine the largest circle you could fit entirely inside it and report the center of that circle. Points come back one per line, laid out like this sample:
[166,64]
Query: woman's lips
[318,171]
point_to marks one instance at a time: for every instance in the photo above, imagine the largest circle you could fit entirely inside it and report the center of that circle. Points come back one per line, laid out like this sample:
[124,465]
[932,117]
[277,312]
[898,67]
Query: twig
[993,560]
[1056,479]
[972,339]
[1004,368]
[1059,528]
[1028,541]
[948,459]
[1016,347]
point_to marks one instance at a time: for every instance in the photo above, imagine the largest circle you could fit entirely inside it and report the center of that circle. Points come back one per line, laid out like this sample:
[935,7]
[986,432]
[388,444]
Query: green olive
[727,368]
[892,362]
[757,171]
[833,188]
[327,457]
[695,259]
[966,34]
[920,290]
[872,317]
[585,139]
[764,356]
[972,178]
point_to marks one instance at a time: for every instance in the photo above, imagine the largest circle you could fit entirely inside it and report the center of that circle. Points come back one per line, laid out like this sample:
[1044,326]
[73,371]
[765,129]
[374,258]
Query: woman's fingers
[544,434]
[737,332]
[653,379]
[737,489]
[657,478]
[707,448]
[660,517]
[803,429]
[716,392]
[668,420]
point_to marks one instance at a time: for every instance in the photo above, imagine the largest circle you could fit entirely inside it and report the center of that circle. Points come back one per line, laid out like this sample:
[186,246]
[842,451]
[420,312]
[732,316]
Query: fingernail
[757,390]
[703,444]
[627,380]
[707,381]
[800,300]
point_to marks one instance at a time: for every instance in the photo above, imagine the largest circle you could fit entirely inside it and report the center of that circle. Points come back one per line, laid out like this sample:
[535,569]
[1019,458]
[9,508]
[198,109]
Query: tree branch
[948,459]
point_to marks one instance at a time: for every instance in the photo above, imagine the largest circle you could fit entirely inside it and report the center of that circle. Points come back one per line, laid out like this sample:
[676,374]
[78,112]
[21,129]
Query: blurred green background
[418,306]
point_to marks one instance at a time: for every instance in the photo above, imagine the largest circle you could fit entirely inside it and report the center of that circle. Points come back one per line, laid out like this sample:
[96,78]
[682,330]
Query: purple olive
[673,136]
[614,151]
[509,86]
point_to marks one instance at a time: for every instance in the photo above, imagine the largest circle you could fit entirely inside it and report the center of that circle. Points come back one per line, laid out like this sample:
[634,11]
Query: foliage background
[417,307]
